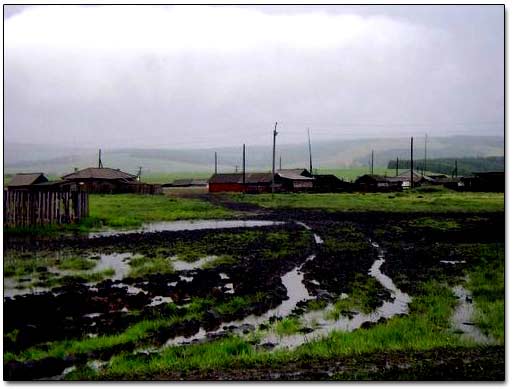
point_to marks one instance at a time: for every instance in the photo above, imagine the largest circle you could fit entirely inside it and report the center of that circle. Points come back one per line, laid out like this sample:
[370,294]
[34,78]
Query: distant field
[416,201]
[165,178]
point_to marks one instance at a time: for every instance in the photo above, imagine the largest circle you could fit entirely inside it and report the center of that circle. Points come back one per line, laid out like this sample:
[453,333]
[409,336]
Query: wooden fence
[27,208]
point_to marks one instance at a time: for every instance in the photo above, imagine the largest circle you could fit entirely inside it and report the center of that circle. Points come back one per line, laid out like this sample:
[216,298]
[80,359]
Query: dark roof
[259,178]
[236,178]
[24,179]
[99,173]
[225,178]
[373,177]
[406,176]
[294,174]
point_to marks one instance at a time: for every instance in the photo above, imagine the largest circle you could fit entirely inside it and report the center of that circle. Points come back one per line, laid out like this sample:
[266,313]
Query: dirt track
[413,255]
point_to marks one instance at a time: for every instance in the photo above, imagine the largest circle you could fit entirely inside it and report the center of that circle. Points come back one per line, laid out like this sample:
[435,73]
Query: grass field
[132,210]
[414,201]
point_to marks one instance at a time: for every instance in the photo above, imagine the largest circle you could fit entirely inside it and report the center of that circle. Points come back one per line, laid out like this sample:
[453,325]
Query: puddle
[188,225]
[157,300]
[182,265]
[296,292]
[115,261]
[129,288]
[317,238]
[462,318]
[324,326]
[229,288]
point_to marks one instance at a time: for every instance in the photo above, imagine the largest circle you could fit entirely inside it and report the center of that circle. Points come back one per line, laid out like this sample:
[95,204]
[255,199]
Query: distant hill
[447,165]
[58,160]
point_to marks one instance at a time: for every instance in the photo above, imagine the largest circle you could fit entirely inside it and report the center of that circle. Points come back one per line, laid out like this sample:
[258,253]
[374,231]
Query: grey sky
[196,76]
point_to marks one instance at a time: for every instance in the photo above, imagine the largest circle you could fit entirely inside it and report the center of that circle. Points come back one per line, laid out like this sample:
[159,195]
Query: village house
[26,180]
[237,182]
[378,183]
[107,180]
[295,180]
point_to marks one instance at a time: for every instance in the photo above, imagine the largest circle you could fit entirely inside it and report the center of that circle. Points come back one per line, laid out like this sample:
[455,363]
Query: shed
[25,180]
[295,179]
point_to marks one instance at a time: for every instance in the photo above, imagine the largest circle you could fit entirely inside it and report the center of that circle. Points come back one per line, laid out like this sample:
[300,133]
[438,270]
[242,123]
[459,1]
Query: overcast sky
[196,76]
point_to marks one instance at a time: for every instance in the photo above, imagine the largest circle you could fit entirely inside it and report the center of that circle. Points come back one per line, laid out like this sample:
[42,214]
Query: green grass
[141,266]
[288,326]
[425,328]
[437,224]
[131,210]
[221,260]
[75,263]
[238,303]
[486,282]
[441,201]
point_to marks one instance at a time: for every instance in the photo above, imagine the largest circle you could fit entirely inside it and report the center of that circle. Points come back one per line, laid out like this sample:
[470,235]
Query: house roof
[24,179]
[406,176]
[236,178]
[294,174]
[99,173]
[374,177]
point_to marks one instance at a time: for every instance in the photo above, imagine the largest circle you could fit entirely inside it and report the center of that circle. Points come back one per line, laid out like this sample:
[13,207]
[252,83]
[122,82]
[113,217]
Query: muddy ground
[77,310]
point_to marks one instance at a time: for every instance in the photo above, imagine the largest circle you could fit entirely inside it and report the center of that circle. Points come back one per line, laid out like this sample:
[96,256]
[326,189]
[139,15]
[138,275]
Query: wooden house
[295,180]
[107,180]
[378,183]
[237,182]
[26,180]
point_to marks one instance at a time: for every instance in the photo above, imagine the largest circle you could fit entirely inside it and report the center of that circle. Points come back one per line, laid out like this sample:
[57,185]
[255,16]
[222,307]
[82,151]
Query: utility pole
[244,166]
[139,173]
[100,164]
[274,155]
[280,162]
[411,164]
[372,163]
[215,162]
[310,152]
[397,167]
[425,156]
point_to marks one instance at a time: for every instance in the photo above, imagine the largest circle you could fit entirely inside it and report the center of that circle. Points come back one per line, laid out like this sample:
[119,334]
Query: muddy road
[237,279]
